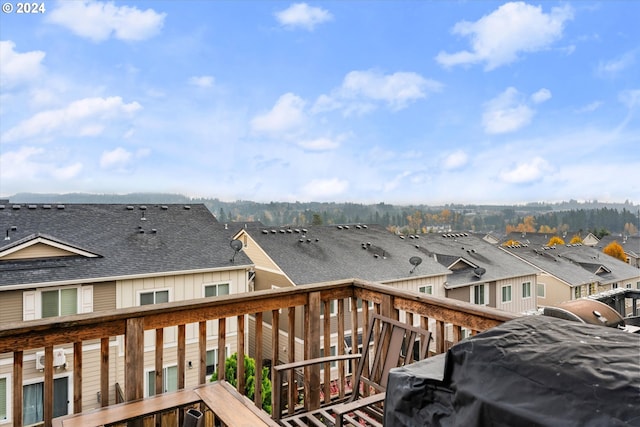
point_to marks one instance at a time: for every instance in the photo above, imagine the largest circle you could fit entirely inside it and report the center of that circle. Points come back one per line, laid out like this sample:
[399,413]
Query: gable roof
[324,253]
[112,241]
[576,264]
[472,259]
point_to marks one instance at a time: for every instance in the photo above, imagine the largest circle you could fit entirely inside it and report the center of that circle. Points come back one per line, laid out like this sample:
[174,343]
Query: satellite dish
[479,271]
[415,261]
[236,245]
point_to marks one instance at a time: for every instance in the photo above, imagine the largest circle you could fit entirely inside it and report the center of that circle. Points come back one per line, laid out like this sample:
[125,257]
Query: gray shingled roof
[130,241]
[577,264]
[464,252]
[324,253]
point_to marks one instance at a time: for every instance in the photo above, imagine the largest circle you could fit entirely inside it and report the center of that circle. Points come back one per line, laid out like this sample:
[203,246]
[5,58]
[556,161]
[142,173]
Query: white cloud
[202,81]
[615,66]
[630,98]
[498,38]
[593,106]
[27,164]
[86,117]
[115,158]
[455,160]
[286,114]
[17,67]
[525,173]
[319,189]
[506,113]
[319,144]
[301,15]
[98,21]
[541,96]
[360,91]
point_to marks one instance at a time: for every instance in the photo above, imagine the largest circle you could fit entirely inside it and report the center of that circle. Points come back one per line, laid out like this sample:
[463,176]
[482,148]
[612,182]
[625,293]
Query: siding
[39,250]
[11,306]
[104,296]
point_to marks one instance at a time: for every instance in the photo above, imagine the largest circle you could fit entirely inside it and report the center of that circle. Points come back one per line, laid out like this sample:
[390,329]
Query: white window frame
[544,290]
[333,351]
[164,378]
[423,289]
[69,377]
[503,288]
[485,294]
[333,308]
[526,286]
[359,304]
[155,291]
[227,350]
[32,300]
[628,286]
[577,292]
[8,402]
[217,287]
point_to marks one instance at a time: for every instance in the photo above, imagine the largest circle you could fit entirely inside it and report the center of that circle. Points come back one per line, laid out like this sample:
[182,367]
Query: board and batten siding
[255,252]
[11,306]
[414,285]
[518,303]
[38,250]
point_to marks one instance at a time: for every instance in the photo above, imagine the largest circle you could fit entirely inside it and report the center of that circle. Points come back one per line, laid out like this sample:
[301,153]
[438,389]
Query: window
[212,359]
[526,290]
[541,290]
[332,308]
[33,397]
[577,292]
[333,351]
[638,285]
[169,380]
[593,288]
[506,293]
[628,286]
[359,304]
[154,297]
[59,302]
[216,290]
[614,286]
[426,289]
[479,294]
[4,395]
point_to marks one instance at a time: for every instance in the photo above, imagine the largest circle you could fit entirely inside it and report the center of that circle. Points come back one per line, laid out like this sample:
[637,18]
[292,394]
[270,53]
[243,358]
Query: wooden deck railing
[445,317]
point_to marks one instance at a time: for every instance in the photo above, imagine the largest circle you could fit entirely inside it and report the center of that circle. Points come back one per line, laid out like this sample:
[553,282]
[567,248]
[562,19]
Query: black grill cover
[532,371]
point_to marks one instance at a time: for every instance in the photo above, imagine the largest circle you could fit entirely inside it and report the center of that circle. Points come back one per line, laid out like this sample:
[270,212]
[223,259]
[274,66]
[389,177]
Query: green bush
[231,372]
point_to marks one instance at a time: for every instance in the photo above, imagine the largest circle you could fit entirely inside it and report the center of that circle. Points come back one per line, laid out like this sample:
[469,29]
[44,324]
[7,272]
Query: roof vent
[479,271]
[32,206]
[304,230]
[46,206]
[339,227]
[164,207]
[129,208]
[143,208]
[16,207]
[364,226]
[346,227]
[154,231]
[265,232]
[60,207]
[187,207]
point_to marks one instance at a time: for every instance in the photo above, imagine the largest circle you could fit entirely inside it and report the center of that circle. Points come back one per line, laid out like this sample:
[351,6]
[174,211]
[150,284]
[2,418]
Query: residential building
[66,260]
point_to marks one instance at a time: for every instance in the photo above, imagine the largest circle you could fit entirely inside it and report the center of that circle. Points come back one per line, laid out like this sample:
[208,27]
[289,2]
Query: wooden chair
[394,344]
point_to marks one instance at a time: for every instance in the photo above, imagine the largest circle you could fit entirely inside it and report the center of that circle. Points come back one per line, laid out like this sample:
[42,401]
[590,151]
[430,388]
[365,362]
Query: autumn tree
[576,239]
[546,229]
[415,220]
[630,229]
[555,241]
[615,250]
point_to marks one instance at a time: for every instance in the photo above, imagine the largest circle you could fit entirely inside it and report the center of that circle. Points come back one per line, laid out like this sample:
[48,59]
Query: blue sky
[358,101]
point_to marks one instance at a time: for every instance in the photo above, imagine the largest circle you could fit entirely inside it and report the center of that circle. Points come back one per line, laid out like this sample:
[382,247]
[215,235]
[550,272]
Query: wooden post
[159,362]
[48,385]
[293,387]
[240,346]
[202,350]
[104,371]
[312,341]
[134,358]
[182,359]
[17,387]
[341,347]
[257,397]
[222,335]
[326,345]
[77,377]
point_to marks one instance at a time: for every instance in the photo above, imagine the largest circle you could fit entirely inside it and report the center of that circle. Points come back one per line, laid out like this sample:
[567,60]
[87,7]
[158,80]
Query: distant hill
[480,218]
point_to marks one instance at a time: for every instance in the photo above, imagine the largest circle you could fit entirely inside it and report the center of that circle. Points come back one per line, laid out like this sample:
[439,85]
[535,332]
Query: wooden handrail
[21,338]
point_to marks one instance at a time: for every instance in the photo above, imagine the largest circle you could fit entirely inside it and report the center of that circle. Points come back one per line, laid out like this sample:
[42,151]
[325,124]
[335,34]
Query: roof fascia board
[91,280]
[47,242]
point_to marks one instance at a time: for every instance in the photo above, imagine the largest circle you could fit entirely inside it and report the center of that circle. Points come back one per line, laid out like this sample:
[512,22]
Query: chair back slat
[395,345]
